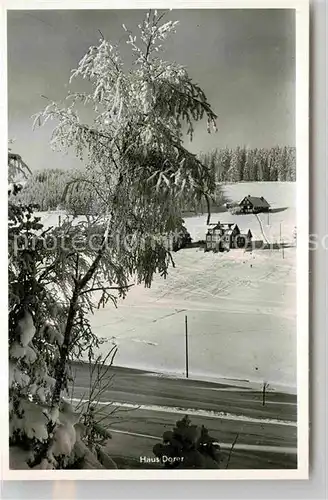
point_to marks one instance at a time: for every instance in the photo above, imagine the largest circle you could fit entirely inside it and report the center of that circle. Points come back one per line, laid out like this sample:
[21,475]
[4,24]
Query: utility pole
[187,354]
[264,388]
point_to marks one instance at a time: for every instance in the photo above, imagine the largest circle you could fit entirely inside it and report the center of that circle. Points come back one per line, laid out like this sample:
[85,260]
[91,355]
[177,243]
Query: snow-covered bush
[188,446]
[30,387]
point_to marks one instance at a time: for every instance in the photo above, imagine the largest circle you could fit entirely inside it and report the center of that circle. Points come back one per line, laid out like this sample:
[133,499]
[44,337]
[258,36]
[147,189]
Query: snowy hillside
[241,307]
[282,199]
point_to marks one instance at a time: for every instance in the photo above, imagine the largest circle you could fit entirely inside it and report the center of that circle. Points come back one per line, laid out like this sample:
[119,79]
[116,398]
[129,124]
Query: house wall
[219,240]
[213,244]
[246,206]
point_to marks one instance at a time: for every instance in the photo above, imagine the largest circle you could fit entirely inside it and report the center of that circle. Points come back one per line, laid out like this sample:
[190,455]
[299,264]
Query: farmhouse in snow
[254,205]
[224,236]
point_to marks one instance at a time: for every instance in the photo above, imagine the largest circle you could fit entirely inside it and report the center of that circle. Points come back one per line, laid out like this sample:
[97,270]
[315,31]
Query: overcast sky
[243,59]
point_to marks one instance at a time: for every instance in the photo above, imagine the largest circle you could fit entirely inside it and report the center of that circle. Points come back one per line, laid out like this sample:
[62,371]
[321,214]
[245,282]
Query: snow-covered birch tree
[136,163]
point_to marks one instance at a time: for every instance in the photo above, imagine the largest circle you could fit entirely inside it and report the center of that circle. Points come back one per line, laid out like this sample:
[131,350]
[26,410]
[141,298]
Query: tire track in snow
[192,411]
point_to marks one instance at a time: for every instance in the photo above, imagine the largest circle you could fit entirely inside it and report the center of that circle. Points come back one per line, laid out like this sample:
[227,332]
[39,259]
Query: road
[138,406]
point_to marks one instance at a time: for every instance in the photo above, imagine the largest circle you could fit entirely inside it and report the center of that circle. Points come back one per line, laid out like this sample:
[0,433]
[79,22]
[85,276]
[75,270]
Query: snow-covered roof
[228,225]
[225,227]
[256,201]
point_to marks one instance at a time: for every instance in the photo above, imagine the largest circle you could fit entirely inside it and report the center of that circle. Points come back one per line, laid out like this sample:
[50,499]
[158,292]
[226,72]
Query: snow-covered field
[241,307]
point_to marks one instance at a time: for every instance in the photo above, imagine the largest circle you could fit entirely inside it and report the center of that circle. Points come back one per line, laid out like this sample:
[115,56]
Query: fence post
[187,354]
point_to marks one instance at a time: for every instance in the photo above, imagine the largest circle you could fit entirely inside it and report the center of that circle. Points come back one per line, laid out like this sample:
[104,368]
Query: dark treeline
[247,165]
[46,187]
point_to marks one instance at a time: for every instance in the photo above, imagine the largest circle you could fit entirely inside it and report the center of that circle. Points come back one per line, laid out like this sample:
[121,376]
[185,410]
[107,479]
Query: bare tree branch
[231,450]
[121,288]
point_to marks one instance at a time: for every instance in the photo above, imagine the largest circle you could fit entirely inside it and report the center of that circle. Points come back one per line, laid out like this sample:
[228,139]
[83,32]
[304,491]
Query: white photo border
[302,154]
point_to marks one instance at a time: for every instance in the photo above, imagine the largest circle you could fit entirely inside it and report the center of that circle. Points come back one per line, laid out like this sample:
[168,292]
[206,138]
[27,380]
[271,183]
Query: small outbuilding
[254,205]
[225,236]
